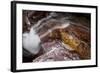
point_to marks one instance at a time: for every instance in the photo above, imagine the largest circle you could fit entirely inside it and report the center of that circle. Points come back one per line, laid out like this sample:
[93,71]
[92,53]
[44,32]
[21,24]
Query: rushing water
[47,25]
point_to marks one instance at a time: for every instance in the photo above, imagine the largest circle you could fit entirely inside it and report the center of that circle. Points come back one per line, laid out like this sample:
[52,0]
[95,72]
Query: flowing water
[71,30]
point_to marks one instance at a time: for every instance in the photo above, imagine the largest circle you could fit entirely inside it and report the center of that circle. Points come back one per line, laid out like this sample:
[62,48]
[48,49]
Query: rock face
[64,36]
[55,51]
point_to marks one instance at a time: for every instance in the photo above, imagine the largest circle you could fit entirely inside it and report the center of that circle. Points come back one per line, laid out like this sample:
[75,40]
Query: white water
[31,42]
